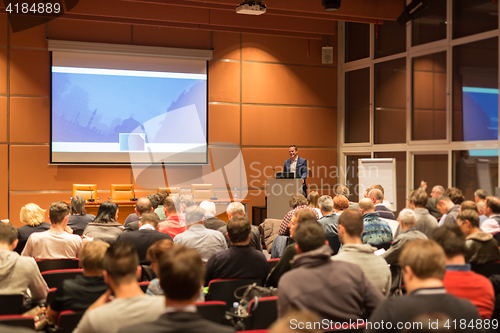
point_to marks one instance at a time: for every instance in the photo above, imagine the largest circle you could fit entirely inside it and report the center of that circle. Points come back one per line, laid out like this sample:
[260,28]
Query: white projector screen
[125,108]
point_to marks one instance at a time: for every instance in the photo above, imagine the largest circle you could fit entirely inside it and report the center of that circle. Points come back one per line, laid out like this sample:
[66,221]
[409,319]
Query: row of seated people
[294,291]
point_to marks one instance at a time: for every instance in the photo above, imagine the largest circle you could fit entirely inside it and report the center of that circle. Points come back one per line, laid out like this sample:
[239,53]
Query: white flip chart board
[382,171]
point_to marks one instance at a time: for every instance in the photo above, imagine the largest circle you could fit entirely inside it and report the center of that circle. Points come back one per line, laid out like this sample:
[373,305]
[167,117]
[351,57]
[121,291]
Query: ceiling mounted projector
[331,5]
[251,7]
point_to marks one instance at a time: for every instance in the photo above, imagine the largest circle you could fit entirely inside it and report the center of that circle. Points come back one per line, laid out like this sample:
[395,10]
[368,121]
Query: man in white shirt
[205,241]
[491,224]
[55,243]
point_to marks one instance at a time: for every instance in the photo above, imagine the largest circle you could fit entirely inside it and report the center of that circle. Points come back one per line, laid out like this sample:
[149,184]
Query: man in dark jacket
[335,290]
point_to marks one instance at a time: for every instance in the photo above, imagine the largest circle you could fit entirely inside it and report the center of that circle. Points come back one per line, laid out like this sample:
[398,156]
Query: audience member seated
[105,226]
[181,278]
[78,217]
[19,274]
[319,284]
[186,201]
[448,209]
[284,265]
[480,196]
[384,201]
[55,243]
[130,305]
[459,280]
[423,264]
[34,218]
[238,209]
[492,224]
[426,223]
[407,220]
[376,231]
[297,201]
[174,224]
[153,256]
[344,190]
[468,204]
[240,261]
[210,221]
[455,194]
[205,241]
[377,197]
[79,293]
[162,195]
[436,192]
[340,204]
[481,210]
[146,236]
[354,251]
[312,202]
[481,246]
[329,219]
[142,205]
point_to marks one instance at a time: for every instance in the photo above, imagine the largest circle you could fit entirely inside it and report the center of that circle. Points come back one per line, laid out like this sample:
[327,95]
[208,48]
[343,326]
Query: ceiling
[291,18]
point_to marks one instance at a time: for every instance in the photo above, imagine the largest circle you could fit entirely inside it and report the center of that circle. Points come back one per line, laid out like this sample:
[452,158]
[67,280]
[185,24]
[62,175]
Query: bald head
[143,205]
[376,196]
[366,206]
[492,206]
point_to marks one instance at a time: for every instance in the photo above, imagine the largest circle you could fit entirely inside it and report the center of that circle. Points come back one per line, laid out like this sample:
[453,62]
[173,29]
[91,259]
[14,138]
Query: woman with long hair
[105,226]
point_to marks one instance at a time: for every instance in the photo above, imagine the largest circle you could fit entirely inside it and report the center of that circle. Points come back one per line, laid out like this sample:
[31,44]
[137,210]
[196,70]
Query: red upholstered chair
[68,320]
[11,304]
[18,321]
[223,289]
[144,285]
[54,264]
[212,310]
[271,263]
[56,277]
[50,295]
[263,312]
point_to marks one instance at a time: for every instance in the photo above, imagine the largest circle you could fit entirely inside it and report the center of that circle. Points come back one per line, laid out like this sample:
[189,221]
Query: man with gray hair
[407,221]
[329,219]
[236,209]
[432,202]
[210,221]
[205,241]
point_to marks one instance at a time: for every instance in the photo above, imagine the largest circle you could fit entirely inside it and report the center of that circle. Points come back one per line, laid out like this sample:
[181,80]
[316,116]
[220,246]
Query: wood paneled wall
[264,94]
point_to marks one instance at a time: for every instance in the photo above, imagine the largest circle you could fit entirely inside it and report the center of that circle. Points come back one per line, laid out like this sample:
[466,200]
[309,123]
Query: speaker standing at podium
[298,165]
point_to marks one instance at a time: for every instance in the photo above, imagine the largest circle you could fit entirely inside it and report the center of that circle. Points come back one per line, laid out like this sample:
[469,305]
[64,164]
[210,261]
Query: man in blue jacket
[298,165]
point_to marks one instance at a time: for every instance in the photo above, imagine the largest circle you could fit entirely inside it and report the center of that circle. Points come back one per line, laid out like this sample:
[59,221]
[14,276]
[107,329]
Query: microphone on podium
[133,191]
[91,198]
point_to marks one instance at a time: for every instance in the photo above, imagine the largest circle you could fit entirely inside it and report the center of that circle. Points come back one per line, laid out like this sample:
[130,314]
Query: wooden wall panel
[295,85]
[171,37]
[224,81]
[33,37]
[259,126]
[85,31]
[29,120]
[224,123]
[226,45]
[3,71]
[3,119]
[4,181]
[282,50]
[29,72]
[18,200]
[30,171]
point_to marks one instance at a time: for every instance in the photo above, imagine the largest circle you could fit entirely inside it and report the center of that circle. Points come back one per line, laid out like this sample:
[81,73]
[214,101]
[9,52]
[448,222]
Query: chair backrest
[122,191]
[11,304]
[223,289]
[334,242]
[212,310]
[68,320]
[50,295]
[488,269]
[56,277]
[54,264]
[171,190]
[271,263]
[263,312]
[202,191]
[18,321]
[144,285]
[85,190]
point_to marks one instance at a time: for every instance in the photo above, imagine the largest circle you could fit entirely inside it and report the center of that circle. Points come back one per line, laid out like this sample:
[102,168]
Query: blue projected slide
[480,113]
[108,111]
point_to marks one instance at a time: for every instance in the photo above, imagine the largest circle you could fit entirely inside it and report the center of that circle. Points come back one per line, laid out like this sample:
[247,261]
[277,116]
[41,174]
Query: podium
[278,193]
